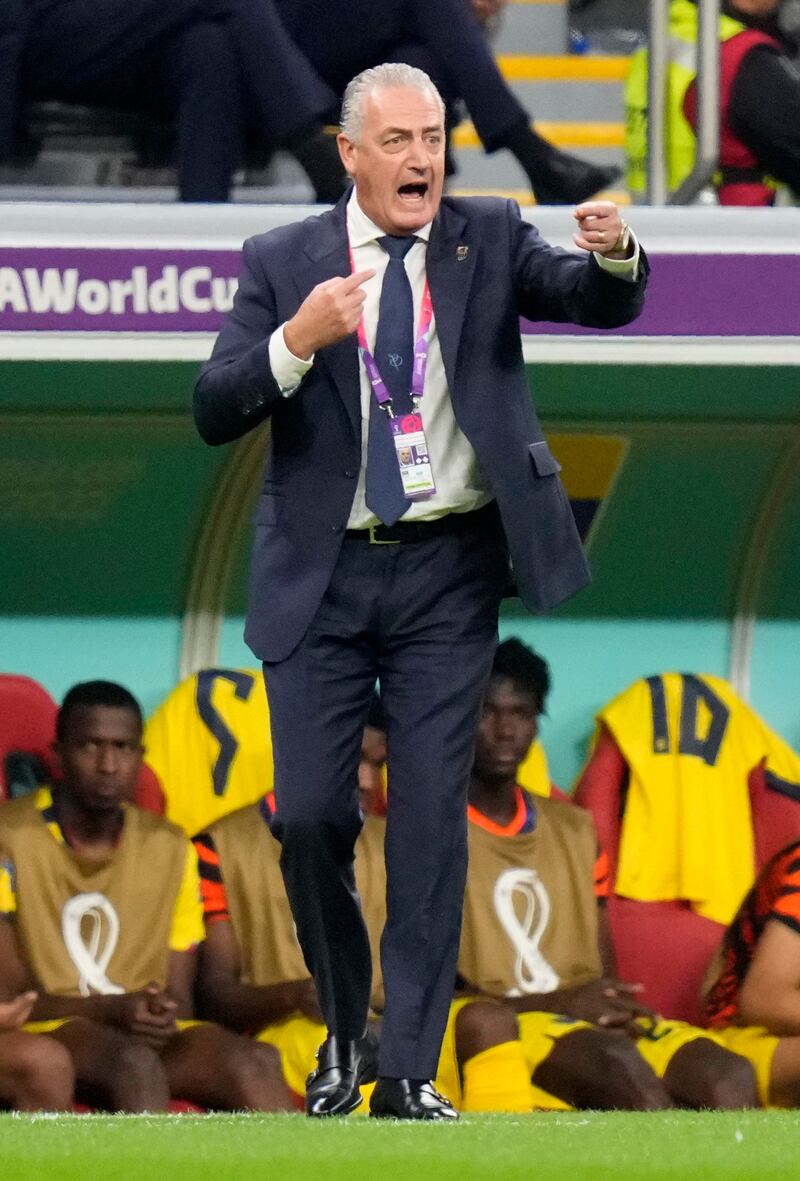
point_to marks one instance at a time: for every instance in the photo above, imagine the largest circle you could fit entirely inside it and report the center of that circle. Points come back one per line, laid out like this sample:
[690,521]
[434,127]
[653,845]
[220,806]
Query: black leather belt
[404,531]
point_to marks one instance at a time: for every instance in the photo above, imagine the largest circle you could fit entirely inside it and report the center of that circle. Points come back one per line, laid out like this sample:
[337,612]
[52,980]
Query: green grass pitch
[673,1146]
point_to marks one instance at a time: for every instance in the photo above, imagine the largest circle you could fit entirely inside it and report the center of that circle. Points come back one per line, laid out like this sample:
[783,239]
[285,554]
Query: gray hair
[381,78]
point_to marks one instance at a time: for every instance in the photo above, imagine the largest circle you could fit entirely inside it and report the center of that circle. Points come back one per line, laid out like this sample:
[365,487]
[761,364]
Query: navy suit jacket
[315,450]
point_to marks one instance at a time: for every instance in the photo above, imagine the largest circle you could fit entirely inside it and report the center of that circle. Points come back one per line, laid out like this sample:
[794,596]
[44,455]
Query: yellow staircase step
[567,67]
[563,135]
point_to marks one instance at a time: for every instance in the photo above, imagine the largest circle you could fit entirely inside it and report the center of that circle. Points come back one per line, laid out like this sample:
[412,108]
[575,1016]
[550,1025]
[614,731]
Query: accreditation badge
[411,449]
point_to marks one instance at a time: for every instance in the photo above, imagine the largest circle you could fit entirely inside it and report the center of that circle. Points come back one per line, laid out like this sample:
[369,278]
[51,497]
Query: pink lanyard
[382,395]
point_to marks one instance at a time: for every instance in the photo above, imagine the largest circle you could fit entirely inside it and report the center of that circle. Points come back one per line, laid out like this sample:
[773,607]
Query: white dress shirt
[461,485]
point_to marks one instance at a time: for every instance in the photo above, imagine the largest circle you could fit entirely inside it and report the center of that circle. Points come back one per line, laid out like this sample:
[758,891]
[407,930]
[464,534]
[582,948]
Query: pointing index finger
[356,279]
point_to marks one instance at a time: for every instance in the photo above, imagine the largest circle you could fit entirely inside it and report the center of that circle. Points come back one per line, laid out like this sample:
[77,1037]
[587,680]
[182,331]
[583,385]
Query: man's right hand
[608,1003]
[330,312]
[147,1015]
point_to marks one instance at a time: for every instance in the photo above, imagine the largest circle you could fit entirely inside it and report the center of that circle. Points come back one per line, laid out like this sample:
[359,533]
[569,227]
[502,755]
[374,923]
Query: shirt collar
[362,230]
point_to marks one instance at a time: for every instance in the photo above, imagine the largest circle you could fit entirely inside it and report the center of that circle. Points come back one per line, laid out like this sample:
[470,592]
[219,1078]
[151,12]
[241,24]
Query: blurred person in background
[445,40]
[759,102]
[535,934]
[12,14]
[215,67]
[753,1000]
[101,914]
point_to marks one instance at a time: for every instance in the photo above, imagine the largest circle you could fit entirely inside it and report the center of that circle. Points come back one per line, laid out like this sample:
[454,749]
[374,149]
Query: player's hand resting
[148,1015]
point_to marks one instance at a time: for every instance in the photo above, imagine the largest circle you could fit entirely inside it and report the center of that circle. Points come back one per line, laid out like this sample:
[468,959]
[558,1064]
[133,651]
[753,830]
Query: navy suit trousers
[421,617]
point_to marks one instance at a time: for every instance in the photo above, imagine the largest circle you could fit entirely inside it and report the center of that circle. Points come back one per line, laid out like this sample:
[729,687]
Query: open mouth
[413,192]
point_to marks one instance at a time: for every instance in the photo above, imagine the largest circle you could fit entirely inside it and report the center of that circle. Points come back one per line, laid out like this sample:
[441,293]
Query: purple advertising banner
[713,295]
[72,289]
[76,289]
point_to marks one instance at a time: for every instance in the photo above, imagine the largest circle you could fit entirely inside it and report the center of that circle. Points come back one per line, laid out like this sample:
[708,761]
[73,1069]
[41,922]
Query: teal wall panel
[775,676]
[57,651]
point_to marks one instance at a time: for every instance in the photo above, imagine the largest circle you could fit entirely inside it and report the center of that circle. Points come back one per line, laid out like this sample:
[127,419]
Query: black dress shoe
[404,1098]
[555,177]
[342,1067]
[569,181]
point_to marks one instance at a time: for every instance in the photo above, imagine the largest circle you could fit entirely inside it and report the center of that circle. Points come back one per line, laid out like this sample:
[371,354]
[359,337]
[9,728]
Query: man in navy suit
[367,567]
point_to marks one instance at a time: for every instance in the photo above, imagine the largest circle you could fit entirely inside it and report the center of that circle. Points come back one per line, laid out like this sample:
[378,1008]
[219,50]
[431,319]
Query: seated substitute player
[35,1072]
[102,914]
[534,934]
[372,766]
[253,978]
[753,1001]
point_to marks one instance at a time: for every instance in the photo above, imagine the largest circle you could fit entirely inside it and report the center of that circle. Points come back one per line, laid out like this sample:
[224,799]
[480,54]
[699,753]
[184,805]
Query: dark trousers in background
[216,67]
[442,37]
[422,617]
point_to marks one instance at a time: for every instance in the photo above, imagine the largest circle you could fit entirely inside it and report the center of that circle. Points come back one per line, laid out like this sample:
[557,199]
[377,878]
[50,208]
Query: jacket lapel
[326,257]
[450,266]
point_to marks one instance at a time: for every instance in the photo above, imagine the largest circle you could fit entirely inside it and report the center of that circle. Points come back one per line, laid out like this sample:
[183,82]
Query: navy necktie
[394,355]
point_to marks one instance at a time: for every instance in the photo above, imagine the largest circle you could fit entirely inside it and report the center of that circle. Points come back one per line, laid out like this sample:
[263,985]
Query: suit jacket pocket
[543,460]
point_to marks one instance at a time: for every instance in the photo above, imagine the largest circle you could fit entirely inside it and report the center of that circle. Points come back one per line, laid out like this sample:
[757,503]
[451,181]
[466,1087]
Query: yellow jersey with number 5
[209,743]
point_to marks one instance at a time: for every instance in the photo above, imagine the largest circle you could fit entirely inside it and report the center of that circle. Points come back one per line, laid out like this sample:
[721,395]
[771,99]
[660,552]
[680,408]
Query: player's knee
[256,1060]
[727,1081]
[135,1066]
[41,1072]
[252,1072]
[630,1083]
[481,1025]
[58,1087]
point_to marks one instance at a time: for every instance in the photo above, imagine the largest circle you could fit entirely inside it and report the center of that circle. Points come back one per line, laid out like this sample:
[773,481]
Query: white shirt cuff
[623,268]
[287,369]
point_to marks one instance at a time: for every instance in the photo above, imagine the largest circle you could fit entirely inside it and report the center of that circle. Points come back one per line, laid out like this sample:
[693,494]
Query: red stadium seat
[149,793]
[667,946]
[776,814]
[27,725]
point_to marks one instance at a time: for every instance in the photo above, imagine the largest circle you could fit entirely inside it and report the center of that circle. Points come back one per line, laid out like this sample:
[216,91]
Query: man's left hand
[600,229]
[14,1014]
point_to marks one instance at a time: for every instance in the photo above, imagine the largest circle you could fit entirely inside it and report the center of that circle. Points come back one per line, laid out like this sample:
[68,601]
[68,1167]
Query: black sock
[528,146]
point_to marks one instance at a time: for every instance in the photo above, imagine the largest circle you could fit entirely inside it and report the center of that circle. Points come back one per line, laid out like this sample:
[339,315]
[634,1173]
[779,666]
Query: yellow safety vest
[681,143]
